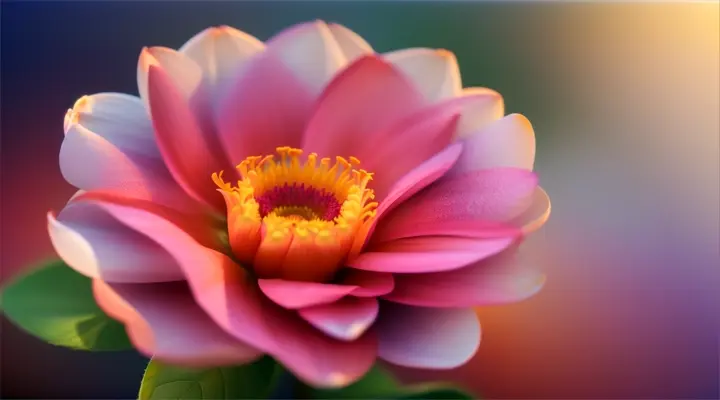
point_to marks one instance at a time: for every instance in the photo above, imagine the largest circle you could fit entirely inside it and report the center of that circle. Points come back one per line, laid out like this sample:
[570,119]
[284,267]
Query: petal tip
[446,54]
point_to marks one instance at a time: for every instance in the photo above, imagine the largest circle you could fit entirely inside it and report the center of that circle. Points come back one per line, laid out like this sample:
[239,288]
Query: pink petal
[427,133]
[536,214]
[203,228]
[370,284]
[428,338]
[98,246]
[90,162]
[266,108]
[183,72]
[481,107]
[496,280]
[357,107]
[310,52]
[434,72]
[509,142]
[346,319]
[351,44]
[186,152]
[230,298]
[164,322]
[119,118]
[428,254]
[472,201]
[470,229]
[292,295]
[221,52]
[413,182]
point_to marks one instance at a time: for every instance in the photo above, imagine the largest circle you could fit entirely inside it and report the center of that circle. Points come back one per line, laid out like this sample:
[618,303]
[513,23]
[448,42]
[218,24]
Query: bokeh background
[624,99]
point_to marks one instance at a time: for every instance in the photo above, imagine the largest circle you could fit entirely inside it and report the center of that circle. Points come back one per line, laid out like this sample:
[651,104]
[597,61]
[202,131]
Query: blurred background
[624,99]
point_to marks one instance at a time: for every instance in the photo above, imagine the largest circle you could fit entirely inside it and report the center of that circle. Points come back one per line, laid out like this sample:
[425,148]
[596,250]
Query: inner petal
[295,218]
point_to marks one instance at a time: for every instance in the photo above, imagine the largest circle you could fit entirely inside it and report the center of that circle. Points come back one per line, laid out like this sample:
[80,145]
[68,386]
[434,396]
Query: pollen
[297,217]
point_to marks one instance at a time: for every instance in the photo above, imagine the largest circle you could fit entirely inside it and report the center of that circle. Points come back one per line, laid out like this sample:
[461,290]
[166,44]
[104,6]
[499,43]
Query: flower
[374,202]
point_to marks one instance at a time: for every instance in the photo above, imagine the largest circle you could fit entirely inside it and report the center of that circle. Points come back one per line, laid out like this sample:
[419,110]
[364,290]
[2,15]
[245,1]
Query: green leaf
[380,384]
[57,305]
[250,381]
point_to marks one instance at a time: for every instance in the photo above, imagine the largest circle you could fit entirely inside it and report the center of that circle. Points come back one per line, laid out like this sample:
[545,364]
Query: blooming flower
[374,202]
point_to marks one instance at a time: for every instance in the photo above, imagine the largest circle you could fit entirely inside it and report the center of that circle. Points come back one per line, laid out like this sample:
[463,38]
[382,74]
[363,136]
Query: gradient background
[624,100]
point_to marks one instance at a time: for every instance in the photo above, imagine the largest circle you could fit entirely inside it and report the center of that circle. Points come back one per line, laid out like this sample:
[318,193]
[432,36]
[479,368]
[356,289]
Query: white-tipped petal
[311,52]
[351,44]
[221,52]
[434,72]
[185,73]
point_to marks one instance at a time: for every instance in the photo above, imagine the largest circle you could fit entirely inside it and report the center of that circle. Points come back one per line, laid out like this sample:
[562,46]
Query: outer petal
[496,280]
[190,158]
[163,322]
[427,337]
[357,108]
[351,44]
[89,161]
[536,214]
[290,294]
[481,107]
[434,72]
[221,52]
[267,107]
[480,199]
[428,254]
[228,296]
[509,142]
[183,72]
[119,118]
[311,52]
[102,248]
[370,284]
[346,319]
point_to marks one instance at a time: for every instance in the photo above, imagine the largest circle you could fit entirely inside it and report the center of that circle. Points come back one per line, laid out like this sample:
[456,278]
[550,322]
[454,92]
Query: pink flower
[375,201]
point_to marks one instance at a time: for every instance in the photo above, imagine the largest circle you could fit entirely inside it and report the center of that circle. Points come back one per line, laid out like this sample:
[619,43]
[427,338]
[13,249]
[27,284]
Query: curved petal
[476,201]
[107,250]
[427,133]
[163,322]
[356,109]
[497,280]
[119,118]
[311,52]
[291,294]
[229,297]
[419,178]
[428,254]
[434,72]
[507,143]
[221,52]
[188,155]
[89,161]
[351,44]
[183,72]
[346,319]
[536,214]
[428,338]
[413,182]
[480,108]
[369,284]
[266,107]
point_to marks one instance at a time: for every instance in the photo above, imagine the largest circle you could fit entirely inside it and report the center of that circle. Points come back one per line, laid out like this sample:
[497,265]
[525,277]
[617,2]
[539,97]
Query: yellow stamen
[297,241]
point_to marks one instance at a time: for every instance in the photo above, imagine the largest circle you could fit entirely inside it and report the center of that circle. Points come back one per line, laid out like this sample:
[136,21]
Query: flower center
[297,218]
